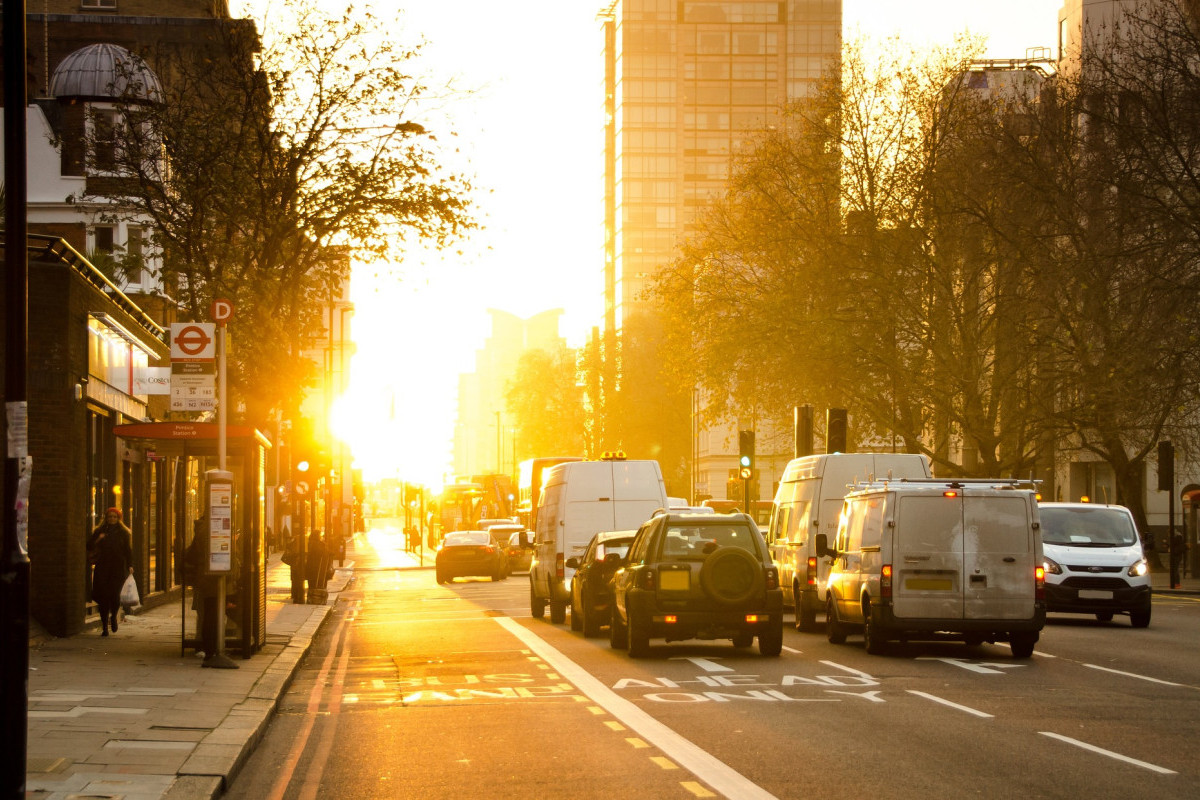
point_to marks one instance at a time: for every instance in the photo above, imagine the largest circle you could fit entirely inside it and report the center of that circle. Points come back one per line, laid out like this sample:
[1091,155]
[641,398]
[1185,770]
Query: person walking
[110,549]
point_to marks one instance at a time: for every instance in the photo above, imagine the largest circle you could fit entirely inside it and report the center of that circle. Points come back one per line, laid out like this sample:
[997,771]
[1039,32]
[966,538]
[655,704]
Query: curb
[219,757]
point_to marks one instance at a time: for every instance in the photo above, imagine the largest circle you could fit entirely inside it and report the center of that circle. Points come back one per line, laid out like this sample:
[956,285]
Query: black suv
[697,576]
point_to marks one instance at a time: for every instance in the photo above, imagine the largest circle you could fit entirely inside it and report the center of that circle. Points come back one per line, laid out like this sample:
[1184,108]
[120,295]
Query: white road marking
[1109,753]
[985,667]
[946,702]
[1131,675]
[706,664]
[792,650]
[699,762]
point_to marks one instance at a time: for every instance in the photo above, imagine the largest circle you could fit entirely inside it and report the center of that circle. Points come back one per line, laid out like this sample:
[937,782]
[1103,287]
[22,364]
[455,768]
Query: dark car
[470,553]
[691,576]
[520,555]
[591,586]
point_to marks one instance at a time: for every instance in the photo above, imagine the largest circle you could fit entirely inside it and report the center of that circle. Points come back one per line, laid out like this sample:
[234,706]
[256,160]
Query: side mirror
[823,548]
[573,562]
[525,539]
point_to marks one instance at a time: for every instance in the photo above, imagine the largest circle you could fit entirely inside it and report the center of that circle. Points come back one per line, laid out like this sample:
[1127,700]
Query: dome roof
[105,70]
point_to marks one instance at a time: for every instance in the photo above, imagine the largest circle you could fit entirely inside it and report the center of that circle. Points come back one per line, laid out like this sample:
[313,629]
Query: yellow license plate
[929,584]
[675,580]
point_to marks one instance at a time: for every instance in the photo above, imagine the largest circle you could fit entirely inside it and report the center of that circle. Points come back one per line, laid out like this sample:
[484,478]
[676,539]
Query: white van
[580,499]
[808,502]
[937,559]
[1094,562]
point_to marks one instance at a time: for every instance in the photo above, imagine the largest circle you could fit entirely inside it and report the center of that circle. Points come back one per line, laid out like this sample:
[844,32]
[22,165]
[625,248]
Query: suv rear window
[695,542]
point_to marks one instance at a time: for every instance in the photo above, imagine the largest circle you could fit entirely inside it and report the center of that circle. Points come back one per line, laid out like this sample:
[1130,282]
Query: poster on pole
[220,527]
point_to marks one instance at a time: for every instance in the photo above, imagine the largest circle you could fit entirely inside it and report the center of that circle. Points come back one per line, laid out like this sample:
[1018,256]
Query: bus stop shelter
[194,447]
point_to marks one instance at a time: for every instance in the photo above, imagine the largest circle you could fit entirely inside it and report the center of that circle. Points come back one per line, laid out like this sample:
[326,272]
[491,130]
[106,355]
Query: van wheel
[618,637]
[770,641]
[873,639]
[806,615]
[1022,644]
[537,605]
[835,631]
[638,636]
[576,616]
[558,612]
[1140,618]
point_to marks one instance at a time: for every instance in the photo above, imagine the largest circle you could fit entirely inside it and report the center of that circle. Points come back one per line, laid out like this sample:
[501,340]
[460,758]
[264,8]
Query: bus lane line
[1093,748]
[945,702]
[716,773]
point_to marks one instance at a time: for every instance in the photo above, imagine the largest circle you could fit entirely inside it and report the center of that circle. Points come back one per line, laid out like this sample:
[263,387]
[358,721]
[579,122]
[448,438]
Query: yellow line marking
[597,710]
[664,762]
[696,789]
[637,743]
[616,726]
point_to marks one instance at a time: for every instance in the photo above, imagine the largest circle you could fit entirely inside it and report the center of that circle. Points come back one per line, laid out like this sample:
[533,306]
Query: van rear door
[927,557]
[999,557]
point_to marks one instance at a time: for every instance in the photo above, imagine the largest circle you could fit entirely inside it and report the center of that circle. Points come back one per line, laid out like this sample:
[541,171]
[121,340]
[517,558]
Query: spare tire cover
[731,576]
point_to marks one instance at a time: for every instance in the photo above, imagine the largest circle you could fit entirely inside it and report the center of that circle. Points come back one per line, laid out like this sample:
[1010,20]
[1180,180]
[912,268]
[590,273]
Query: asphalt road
[419,690]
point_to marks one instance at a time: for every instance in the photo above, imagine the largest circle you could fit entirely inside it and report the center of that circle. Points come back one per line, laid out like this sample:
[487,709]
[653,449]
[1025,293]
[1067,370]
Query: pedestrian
[316,567]
[110,550]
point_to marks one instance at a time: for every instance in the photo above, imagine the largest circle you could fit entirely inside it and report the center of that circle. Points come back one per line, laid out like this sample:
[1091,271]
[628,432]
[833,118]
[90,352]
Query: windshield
[1087,527]
[470,537]
[694,543]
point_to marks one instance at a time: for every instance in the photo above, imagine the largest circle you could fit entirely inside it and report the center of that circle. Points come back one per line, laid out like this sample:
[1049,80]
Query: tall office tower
[687,82]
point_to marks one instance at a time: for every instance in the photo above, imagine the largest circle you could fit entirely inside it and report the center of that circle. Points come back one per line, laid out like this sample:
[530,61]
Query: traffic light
[746,454]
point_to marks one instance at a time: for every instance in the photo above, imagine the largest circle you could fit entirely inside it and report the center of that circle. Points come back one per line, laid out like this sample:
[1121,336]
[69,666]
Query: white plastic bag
[129,595]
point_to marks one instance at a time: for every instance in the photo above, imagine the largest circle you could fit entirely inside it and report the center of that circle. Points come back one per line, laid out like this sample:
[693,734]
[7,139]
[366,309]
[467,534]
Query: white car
[1094,562]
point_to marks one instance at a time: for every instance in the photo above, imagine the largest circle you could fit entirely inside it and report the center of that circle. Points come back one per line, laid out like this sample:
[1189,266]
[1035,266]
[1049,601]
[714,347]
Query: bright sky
[531,130]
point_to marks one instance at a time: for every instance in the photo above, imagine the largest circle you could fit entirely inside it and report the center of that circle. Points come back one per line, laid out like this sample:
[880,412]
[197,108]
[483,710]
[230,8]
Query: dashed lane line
[1093,748]
[1132,675]
[716,773]
[946,702]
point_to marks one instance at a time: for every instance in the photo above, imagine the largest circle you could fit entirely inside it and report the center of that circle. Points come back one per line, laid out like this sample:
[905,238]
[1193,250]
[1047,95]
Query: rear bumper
[1066,598]
[891,625]
[714,623]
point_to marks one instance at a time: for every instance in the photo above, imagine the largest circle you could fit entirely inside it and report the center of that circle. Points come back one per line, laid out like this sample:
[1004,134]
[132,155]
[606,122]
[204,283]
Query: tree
[546,400]
[266,170]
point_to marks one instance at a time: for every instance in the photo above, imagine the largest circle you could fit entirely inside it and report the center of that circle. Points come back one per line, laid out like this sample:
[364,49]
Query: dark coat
[111,545]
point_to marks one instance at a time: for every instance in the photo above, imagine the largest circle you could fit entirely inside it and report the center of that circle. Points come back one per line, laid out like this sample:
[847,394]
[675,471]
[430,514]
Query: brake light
[647,579]
[670,619]
[1039,583]
[772,576]
[885,581]
[950,493]
[560,568]
[811,572]
[752,618]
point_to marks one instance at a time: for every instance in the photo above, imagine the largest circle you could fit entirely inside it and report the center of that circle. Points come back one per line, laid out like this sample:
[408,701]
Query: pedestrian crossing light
[746,454]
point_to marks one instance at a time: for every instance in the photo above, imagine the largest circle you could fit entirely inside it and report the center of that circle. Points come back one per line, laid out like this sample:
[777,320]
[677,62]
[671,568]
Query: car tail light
[772,576]
[670,619]
[560,567]
[811,575]
[647,579]
[752,618]
[885,581]
[1039,583]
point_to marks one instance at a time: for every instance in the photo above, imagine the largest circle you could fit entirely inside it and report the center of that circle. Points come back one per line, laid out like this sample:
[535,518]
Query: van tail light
[885,581]
[647,579]
[560,567]
[1039,583]
[772,576]
[811,571]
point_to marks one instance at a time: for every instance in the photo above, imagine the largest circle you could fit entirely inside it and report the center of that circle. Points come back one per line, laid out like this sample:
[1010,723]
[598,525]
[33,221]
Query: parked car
[591,586]
[1094,562]
[470,553]
[692,576]
[519,553]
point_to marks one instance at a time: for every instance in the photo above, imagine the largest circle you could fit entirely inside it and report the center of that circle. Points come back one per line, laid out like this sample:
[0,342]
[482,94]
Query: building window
[106,4]
[104,140]
[103,238]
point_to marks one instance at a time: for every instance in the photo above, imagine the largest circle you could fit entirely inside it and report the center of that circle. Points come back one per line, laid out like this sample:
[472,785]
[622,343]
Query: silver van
[937,559]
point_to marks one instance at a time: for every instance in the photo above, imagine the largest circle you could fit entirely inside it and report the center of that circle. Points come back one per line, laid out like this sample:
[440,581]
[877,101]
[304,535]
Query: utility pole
[14,556]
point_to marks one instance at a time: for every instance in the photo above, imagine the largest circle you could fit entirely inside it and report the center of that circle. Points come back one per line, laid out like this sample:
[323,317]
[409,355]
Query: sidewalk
[128,716]
[1160,582]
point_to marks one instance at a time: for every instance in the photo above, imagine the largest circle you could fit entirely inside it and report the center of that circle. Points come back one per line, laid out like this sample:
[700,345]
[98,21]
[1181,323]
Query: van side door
[999,557]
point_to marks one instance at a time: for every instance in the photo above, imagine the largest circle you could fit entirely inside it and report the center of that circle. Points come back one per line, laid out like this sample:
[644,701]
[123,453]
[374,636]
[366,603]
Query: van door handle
[915,559]
[1009,560]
